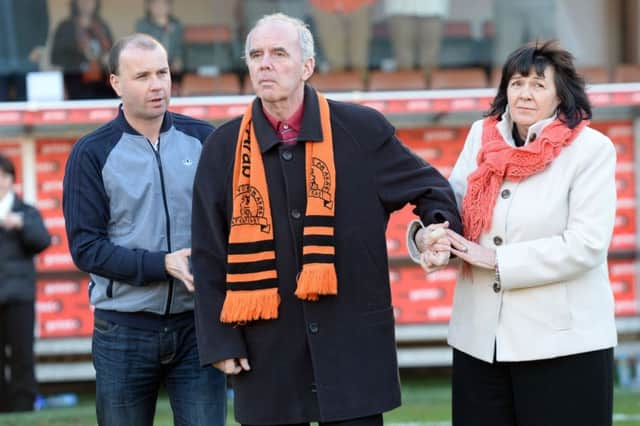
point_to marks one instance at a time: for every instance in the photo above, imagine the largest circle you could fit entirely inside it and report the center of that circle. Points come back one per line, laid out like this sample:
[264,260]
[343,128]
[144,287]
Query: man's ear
[115,83]
[307,68]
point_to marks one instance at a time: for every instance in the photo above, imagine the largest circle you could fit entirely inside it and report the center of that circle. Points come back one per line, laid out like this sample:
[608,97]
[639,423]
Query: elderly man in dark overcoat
[290,206]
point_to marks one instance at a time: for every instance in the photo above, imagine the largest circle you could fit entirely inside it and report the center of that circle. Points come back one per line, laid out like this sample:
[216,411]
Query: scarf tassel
[249,305]
[317,279]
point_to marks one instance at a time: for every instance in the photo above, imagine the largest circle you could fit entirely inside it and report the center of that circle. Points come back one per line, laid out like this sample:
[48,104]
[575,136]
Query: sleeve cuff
[153,267]
[412,247]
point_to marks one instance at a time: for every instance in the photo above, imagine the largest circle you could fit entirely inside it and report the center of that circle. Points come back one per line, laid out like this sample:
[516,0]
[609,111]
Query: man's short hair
[139,40]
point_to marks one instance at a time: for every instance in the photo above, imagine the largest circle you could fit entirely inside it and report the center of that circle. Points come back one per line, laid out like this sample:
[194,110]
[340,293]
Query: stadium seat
[626,73]
[199,85]
[342,81]
[496,75]
[205,34]
[457,28]
[594,75]
[458,78]
[210,46]
[397,80]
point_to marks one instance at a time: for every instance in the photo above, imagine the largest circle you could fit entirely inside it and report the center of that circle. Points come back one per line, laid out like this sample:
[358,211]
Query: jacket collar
[122,123]
[505,127]
[311,127]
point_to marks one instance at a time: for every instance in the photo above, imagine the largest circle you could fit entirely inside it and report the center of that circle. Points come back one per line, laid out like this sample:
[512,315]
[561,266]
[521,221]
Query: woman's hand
[471,252]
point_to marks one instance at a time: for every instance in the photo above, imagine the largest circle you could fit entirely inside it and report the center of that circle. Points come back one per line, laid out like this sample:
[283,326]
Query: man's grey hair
[304,34]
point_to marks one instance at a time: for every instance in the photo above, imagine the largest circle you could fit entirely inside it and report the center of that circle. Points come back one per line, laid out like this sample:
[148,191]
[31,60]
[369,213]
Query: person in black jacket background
[81,44]
[22,236]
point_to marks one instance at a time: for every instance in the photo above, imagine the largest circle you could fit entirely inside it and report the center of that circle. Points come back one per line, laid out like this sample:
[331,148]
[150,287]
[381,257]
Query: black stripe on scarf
[252,247]
[318,258]
[250,267]
[253,285]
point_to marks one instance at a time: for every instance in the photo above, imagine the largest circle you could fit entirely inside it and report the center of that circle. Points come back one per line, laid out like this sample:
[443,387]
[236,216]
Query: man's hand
[471,252]
[177,265]
[434,246]
[233,366]
[13,220]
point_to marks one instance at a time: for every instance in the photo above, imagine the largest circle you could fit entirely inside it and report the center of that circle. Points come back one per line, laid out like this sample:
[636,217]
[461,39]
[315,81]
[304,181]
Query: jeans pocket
[103,326]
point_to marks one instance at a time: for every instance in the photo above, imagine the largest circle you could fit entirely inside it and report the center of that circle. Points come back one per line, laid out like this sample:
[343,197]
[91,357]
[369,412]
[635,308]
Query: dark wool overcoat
[335,358]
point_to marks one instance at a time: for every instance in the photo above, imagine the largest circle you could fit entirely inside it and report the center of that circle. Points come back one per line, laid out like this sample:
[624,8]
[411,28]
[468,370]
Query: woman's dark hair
[7,166]
[75,10]
[574,102]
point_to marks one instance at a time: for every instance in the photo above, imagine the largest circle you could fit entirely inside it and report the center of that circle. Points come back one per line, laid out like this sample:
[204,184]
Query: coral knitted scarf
[499,161]
[252,277]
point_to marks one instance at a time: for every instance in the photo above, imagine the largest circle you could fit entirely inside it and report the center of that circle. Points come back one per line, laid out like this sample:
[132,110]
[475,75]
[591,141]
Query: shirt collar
[505,127]
[295,121]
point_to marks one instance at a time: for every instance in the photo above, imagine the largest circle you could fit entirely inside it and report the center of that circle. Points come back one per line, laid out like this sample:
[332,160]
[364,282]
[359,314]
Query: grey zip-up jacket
[126,205]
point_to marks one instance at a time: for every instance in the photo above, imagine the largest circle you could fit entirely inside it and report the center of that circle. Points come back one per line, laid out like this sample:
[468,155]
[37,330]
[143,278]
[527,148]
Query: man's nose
[155,83]
[265,62]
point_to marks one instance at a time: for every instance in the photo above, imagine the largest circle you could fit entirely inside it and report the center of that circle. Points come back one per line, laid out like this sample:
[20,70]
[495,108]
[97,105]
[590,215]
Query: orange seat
[247,86]
[594,75]
[339,81]
[207,34]
[496,75]
[454,28]
[397,80]
[626,73]
[199,85]
[458,78]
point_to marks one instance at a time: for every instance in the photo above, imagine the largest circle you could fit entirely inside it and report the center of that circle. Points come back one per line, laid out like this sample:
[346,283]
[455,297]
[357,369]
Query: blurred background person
[160,23]
[344,30]
[252,10]
[416,28]
[24,26]
[81,44]
[521,21]
[22,236]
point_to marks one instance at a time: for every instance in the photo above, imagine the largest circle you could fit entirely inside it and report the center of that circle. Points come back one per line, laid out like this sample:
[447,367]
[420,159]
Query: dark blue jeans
[131,364]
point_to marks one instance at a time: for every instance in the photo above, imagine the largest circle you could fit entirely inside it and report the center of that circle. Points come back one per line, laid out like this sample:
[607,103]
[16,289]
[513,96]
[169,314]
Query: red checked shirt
[288,129]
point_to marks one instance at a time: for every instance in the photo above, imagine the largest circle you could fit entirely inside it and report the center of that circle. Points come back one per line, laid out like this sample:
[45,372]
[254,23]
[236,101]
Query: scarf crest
[498,161]
[252,277]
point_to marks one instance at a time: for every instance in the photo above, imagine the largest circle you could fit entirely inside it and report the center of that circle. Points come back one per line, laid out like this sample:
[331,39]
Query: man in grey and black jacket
[127,206]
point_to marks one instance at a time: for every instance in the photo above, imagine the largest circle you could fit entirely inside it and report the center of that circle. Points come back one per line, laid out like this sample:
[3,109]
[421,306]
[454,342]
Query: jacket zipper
[156,152]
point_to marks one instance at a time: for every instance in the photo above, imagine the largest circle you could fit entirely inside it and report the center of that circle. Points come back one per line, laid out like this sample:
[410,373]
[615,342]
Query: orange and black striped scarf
[252,277]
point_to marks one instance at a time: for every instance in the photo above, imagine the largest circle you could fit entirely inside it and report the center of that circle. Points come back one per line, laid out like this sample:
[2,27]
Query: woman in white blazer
[532,325]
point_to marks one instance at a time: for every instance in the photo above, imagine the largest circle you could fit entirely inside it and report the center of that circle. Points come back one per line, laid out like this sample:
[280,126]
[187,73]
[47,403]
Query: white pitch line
[619,417]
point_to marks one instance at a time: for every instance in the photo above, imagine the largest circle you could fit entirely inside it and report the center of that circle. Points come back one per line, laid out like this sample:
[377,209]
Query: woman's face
[532,98]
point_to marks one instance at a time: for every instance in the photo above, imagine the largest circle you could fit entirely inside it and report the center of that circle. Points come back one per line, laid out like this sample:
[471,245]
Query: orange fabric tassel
[317,279]
[249,305]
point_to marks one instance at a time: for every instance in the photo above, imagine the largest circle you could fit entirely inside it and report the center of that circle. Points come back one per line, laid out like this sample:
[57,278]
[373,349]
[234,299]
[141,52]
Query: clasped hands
[437,242]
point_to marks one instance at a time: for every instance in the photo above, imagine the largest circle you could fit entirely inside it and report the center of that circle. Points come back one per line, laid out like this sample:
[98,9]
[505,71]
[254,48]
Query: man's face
[6,183]
[143,82]
[275,62]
